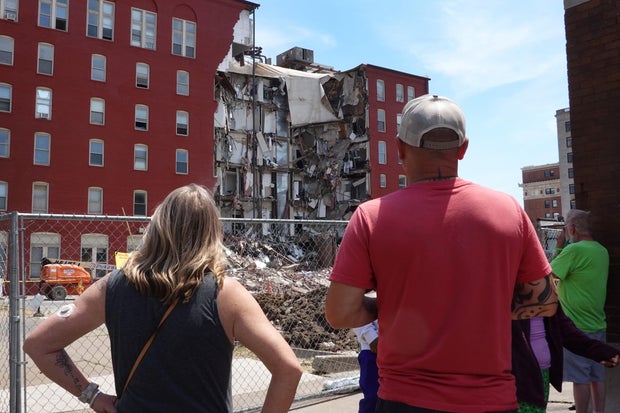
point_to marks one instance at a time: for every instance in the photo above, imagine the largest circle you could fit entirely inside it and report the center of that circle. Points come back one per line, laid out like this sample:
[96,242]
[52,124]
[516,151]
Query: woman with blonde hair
[174,295]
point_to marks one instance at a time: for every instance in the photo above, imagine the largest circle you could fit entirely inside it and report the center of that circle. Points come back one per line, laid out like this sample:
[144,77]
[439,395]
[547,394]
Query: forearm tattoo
[66,364]
[536,306]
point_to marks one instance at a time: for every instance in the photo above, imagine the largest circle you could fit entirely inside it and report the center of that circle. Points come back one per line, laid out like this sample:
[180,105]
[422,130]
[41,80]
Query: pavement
[348,403]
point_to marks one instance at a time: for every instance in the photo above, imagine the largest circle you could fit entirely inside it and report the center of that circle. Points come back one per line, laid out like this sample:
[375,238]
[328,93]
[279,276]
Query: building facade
[565,152]
[542,198]
[107,106]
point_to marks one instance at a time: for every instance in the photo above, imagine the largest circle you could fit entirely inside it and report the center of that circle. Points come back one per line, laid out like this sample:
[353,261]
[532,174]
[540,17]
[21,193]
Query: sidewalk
[348,403]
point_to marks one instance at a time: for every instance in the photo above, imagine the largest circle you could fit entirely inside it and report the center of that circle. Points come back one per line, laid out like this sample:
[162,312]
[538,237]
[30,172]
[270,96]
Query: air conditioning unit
[42,115]
[10,15]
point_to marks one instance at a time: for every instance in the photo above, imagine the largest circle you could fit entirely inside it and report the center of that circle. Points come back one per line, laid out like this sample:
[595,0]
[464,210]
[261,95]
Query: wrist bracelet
[92,399]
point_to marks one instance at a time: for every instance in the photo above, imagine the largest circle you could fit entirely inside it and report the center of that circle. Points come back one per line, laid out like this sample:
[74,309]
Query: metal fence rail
[284,263]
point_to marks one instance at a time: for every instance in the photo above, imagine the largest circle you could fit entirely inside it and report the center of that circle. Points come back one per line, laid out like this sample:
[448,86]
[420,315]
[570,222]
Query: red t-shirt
[444,258]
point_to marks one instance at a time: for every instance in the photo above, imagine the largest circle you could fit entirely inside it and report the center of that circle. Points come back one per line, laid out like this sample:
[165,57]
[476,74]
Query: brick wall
[593,61]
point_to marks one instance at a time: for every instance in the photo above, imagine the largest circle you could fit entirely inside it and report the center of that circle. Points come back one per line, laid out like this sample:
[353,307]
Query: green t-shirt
[583,268]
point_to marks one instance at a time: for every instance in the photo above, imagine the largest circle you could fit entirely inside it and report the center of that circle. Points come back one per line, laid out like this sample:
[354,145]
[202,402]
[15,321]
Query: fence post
[15,352]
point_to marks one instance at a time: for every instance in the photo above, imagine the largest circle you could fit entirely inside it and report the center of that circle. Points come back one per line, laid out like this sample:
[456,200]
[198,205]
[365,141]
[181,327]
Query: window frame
[179,124]
[9,10]
[143,80]
[9,51]
[43,187]
[141,123]
[55,7]
[144,25]
[94,101]
[96,69]
[400,92]
[136,193]
[92,153]
[40,48]
[381,126]
[91,201]
[4,196]
[9,89]
[402,181]
[410,93]
[382,153]
[181,84]
[5,133]
[188,40]
[140,148]
[382,181]
[101,17]
[44,152]
[42,102]
[179,162]
[380,88]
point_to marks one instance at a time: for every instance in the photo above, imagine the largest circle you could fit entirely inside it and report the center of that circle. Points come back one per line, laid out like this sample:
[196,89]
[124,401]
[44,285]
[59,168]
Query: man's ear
[463,148]
[401,149]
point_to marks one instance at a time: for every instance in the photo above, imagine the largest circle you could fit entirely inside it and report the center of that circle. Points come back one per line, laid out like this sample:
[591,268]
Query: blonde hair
[181,243]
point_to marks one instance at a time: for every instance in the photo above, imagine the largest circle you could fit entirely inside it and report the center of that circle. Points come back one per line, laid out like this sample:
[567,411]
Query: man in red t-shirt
[452,263]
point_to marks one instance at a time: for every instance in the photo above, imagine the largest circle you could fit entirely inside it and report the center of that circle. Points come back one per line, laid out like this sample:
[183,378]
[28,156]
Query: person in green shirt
[582,267]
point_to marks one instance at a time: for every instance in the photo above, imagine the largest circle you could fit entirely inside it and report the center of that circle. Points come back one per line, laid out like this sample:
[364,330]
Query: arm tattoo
[524,293]
[66,364]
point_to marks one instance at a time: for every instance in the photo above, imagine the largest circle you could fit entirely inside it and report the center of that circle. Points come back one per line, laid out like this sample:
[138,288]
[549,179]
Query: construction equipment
[60,279]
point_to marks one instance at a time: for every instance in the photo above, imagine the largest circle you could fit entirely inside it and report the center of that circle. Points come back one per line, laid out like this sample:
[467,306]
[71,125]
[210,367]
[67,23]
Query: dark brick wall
[593,61]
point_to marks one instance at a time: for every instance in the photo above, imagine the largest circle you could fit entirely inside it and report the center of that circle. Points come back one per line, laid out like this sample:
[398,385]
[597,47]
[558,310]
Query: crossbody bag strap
[148,343]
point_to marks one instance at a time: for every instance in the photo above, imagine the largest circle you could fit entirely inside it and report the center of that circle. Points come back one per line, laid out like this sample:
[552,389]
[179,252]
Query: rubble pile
[300,317]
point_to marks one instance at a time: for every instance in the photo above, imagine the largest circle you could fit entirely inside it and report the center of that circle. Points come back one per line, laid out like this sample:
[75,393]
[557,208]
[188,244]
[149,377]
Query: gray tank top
[187,368]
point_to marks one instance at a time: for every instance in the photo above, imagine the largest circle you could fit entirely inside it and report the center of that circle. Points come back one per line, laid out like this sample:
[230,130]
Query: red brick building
[388,91]
[541,192]
[106,106]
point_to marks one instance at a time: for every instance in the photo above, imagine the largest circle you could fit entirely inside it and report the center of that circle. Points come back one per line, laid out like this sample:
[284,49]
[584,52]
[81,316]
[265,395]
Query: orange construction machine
[59,280]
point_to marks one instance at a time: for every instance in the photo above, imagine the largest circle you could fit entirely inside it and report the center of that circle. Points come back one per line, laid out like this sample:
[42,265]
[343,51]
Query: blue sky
[504,62]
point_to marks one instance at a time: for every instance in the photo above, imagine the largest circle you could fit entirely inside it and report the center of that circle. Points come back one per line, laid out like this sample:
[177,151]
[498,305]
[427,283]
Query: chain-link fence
[47,260]
[548,236]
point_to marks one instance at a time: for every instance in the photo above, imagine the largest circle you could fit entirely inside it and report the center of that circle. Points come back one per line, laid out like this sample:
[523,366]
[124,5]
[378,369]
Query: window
[183,38]
[94,249]
[4,194]
[182,82]
[42,244]
[142,117]
[410,93]
[139,203]
[381,120]
[143,29]
[382,181]
[554,203]
[182,161]
[547,203]
[402,181]
[140,157]
[552,173]
[45,63]
[549,191]
[97,111]
[567,126]
[54,14]
[100,21]
[8,8]
[5,143]
[400,93]
[39,197]
[142,75]
[95,200]
[569,141]
[182,123]
[380,90]
[95,152]
[7,46]
[569,157]
[570,173]
[399,120]
[573,204]
[43,103]
[5,97]
[98,68]
[382,156]
[571,188]
[42,148]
